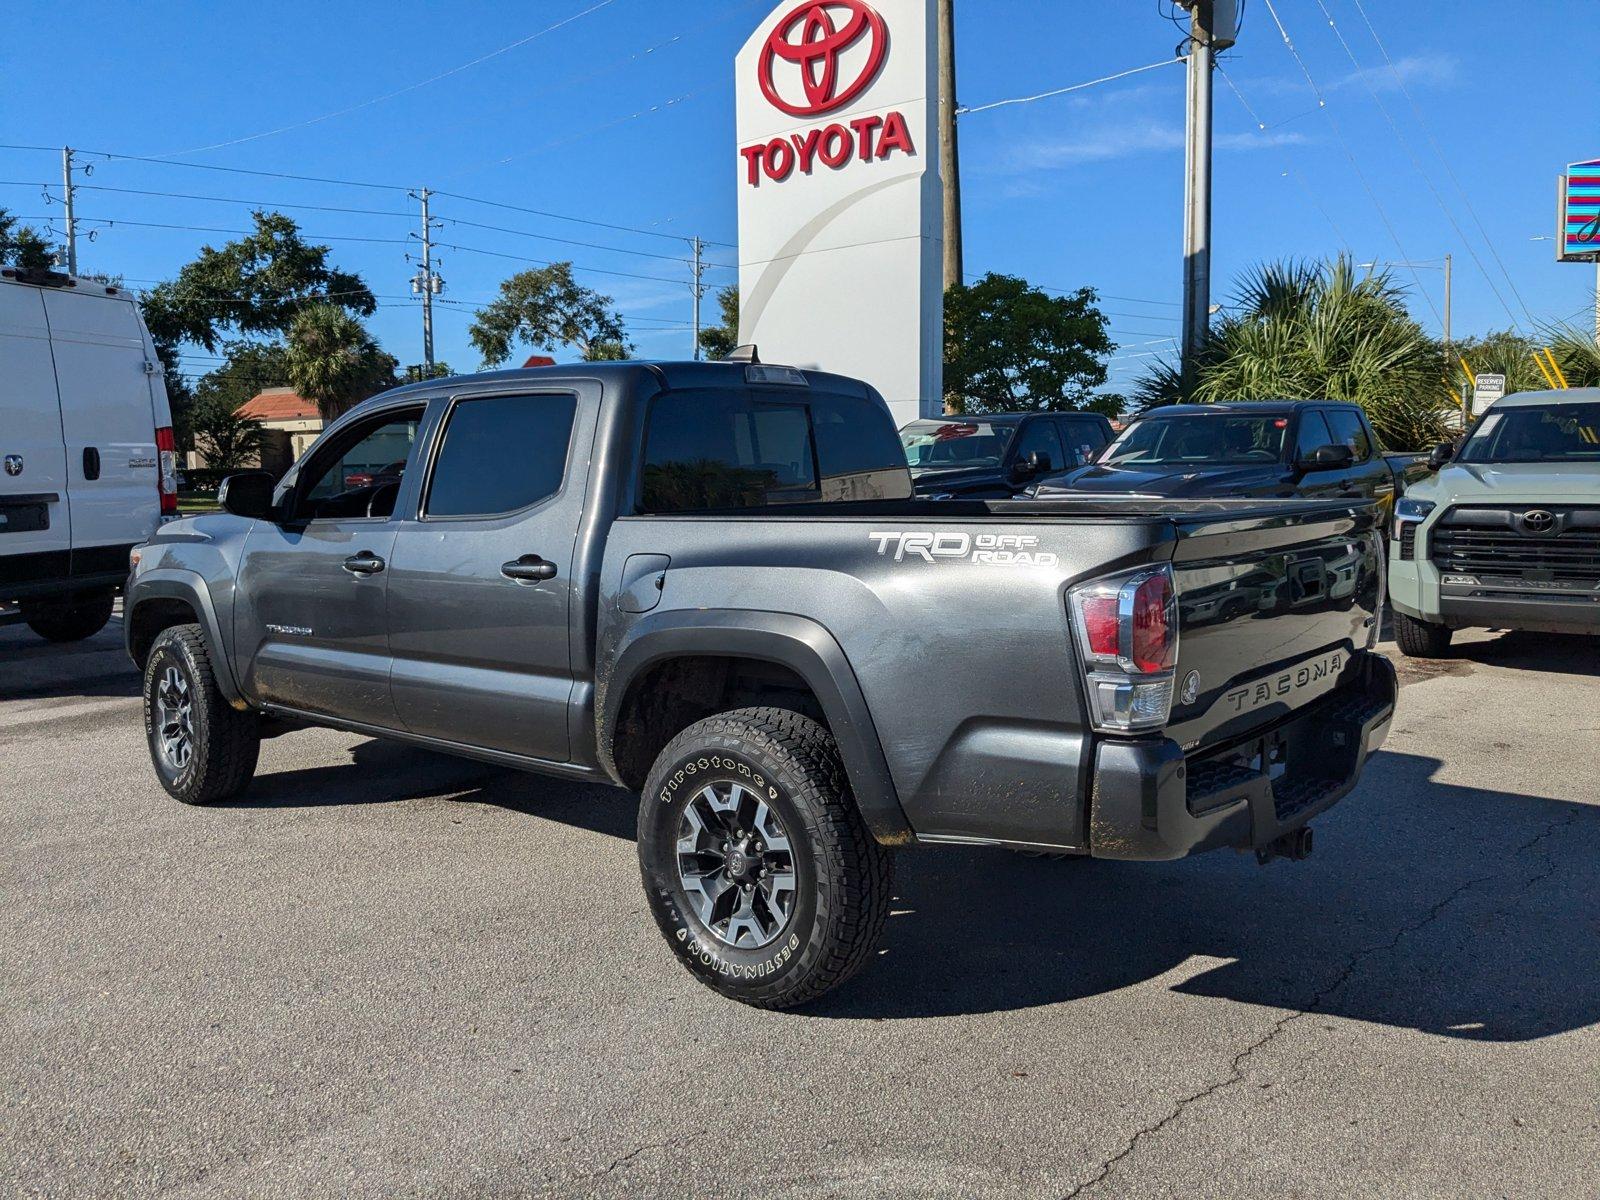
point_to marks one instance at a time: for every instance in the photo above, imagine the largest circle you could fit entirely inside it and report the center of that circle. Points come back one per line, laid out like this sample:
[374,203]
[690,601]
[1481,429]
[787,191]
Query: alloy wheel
[175,718]
[736,865]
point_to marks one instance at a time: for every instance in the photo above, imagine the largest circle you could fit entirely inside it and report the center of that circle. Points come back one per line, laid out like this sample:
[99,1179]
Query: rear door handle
[530,568]
[365,563]
[91,463]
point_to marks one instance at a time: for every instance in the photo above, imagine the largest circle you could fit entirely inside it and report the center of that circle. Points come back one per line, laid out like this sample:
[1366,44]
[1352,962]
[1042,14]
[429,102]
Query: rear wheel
[1420,639]
[70,619]
[756,863]
[204,749]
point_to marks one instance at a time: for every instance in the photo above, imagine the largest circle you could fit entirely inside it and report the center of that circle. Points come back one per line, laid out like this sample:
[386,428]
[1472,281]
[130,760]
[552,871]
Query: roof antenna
[742,354]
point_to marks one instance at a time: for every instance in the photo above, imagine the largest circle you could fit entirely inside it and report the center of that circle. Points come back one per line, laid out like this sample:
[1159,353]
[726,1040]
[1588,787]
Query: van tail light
[167,474]
[1127,631]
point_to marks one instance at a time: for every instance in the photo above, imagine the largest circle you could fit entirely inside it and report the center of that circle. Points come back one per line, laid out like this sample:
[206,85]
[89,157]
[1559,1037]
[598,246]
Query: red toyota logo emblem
[813,37]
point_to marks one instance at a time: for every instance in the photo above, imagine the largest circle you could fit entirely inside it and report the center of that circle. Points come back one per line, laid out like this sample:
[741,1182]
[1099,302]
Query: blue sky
[625,116]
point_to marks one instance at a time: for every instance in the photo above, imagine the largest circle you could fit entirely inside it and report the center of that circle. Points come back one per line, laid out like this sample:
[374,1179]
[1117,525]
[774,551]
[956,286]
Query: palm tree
[1320,331]
[333,361]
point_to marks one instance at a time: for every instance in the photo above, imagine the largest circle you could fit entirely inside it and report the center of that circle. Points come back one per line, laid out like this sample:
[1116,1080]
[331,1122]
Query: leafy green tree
[333,361]
[227,440]
[718,341]
[1320,331]
[1578,354]
[258,285]
[545,308]
[23,246]
[1009,346]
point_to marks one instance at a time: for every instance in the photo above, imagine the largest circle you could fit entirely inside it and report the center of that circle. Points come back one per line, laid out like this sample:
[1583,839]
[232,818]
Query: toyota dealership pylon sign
[840,224]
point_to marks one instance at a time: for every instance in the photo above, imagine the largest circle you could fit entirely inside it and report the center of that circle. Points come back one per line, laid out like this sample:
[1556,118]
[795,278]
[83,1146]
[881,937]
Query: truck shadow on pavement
[1561,654]
[1457,911]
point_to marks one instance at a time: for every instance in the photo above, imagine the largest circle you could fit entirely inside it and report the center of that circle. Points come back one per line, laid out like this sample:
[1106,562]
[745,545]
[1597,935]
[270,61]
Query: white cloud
[1128,138]
[1414,70]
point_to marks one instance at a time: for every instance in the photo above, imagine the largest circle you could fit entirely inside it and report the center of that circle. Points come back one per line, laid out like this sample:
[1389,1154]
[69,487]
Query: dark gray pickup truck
[711,584]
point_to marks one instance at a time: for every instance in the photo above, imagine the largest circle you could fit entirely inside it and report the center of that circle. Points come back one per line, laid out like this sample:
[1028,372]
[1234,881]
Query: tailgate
[1272,608]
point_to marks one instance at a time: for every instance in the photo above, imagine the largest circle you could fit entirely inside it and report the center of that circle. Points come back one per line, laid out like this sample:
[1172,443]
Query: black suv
[995,456]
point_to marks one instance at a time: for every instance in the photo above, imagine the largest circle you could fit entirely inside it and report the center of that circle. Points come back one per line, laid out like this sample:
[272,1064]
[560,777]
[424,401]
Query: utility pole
[949,151]
[1213,26]
[427,284]
[698,289]
[72,225]
[1447,298]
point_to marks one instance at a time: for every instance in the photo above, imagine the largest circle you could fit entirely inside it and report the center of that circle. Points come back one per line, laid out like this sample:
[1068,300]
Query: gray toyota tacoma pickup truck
[712,585]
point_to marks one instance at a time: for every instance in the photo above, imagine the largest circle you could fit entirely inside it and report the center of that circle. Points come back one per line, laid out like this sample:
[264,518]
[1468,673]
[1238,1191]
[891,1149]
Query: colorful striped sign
[1579,232]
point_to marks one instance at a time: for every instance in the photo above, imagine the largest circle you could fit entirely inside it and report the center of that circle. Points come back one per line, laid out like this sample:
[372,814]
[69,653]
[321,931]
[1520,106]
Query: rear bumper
[1151,802]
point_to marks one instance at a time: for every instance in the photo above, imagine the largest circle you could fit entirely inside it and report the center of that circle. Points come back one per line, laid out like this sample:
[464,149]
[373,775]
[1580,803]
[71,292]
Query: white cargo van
[88,467]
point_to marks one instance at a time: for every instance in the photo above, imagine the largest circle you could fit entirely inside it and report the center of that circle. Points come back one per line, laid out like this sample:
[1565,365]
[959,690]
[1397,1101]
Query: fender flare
[798,643]
[172,583]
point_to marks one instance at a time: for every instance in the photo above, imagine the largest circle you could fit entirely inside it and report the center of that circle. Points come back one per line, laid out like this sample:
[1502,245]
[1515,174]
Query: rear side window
[737,449]
[500,454]
[1085,438]
[1348,429]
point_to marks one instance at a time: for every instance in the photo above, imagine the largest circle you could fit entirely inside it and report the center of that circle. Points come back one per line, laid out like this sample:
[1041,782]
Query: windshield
[1536,433]
[1204,439]
[943,445]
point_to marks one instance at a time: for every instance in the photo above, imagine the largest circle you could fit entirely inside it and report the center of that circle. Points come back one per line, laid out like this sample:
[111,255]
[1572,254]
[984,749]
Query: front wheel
[756,863]
[1420,639]
[204,750]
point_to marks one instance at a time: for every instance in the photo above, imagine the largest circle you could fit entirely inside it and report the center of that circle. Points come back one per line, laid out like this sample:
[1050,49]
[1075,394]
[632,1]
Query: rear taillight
[167,474]
[1127,631]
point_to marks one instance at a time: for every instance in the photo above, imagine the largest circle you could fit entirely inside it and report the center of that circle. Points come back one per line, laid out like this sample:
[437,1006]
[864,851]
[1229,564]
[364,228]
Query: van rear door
[108,419]
[35,531]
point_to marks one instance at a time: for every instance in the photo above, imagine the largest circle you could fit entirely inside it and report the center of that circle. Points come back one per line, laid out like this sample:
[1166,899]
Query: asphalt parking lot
[391,973]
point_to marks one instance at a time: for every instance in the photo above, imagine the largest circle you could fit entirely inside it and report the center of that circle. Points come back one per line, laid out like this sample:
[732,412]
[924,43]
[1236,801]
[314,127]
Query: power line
[1354,165]
[967,110]
[114,156]
[1410,153]
[555,216]
[1449,170]
[401,91]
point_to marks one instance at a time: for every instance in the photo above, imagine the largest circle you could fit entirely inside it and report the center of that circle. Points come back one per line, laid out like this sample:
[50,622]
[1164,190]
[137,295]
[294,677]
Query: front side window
[1312,435]
[1535,433]
[936,445]
[359,473]
[740,449]
[1039,437]
[499,454]
[1200,439]
[1349,431]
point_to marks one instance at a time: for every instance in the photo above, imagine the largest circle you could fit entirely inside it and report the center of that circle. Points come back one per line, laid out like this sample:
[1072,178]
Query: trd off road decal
[984,549]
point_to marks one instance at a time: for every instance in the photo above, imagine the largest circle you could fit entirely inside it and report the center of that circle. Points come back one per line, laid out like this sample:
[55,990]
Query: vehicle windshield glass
[947,445]
[1202,439]
[1536,433]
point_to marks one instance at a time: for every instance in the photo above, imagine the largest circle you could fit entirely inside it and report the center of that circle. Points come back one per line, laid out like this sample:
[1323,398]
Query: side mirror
[1030,466]
[248,494]
[1327,458]
[1440,454]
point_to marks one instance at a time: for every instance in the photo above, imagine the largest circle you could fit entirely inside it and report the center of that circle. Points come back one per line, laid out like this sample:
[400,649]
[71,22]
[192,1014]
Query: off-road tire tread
[1420,639]
[853,907]
[70,622]
[229,740]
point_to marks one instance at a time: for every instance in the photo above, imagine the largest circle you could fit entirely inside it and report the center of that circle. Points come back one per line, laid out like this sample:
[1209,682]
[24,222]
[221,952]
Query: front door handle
[530,568]
[365,563]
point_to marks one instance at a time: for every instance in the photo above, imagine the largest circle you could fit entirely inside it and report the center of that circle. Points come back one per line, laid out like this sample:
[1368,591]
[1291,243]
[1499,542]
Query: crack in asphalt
[1236,1067]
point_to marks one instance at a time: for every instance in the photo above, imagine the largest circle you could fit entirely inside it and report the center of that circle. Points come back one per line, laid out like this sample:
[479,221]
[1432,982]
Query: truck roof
[663,373]
[1264,407]
[1578,395]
